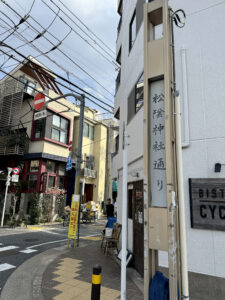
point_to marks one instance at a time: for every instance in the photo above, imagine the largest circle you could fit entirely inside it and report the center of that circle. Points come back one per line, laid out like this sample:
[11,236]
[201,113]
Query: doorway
[88,192]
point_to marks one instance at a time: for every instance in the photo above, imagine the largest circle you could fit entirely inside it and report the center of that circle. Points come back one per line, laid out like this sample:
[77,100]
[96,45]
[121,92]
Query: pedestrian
[109,209]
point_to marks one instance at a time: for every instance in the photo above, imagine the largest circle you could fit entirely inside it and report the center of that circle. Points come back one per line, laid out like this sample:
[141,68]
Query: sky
[99,15]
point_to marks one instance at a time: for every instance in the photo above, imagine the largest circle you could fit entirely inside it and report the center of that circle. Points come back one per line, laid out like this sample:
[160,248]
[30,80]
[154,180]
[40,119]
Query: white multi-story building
[200,78]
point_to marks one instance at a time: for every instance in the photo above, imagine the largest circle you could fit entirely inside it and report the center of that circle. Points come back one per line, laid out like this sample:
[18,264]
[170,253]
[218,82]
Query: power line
[60,84]
[36,48]
[30,121]
[85,26]
[30,42]
[113,61]
[57,75]
[77,65]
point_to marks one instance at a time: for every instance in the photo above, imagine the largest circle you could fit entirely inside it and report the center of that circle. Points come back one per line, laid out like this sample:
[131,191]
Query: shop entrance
[138,226]
[88,192]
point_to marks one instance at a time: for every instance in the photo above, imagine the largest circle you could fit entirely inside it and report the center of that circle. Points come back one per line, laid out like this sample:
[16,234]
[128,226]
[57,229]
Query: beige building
[40,147]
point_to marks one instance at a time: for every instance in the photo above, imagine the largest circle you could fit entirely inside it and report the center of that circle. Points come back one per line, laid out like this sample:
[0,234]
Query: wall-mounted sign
[158,149]
[207,200]
[40,114]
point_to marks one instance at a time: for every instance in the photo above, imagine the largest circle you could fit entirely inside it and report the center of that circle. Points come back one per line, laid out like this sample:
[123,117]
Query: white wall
[203,41]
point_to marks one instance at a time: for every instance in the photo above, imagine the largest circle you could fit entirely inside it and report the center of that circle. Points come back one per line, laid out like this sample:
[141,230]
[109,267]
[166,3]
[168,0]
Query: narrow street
[18,245]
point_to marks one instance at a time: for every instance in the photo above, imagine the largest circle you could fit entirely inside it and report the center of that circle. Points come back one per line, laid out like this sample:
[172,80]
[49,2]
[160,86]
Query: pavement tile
[71,275]
[68,294]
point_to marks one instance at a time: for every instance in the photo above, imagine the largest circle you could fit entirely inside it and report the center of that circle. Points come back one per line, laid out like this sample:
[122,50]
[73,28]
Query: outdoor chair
[113,241]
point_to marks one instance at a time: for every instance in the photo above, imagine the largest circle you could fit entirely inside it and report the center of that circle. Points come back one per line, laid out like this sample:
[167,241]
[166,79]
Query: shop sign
[73,217]
[207,200]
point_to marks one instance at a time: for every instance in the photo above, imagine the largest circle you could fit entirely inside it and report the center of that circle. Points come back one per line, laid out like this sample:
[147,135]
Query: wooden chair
[113,241]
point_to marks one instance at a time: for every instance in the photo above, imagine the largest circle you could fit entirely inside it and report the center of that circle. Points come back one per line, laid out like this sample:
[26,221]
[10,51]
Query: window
[132,31]
[118,80]
[51,182]
[32,182]
[62,170]
[139,93]
[56,120]
[135,98]
[39,128]
[88,131]
[117,144]
[61,182]
[59,129]
[34,165]
[50,166]
[28,85]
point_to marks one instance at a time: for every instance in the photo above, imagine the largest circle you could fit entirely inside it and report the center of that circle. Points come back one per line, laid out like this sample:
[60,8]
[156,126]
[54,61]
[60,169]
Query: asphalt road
[17,245]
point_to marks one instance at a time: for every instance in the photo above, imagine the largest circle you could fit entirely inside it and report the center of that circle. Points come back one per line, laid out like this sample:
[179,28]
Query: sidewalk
[69,276]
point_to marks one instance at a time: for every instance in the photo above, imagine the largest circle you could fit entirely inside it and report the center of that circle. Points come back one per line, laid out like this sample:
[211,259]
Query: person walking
[109,209]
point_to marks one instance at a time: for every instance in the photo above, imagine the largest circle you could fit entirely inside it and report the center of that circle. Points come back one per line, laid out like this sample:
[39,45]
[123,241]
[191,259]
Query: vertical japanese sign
[157,151]
[74,217]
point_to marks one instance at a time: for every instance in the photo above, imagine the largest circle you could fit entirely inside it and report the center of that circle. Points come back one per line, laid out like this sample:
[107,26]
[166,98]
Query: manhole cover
[31,240]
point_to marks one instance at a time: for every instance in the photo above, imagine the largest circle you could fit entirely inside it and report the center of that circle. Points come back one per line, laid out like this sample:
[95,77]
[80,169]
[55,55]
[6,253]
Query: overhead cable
[69,58]
[86,26]
[111,61]
[55,74]
[60,66]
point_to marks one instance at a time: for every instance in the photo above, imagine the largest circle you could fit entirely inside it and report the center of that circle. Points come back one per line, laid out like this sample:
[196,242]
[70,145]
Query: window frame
[131,42]
[136,100]
[60,129]
[88,129]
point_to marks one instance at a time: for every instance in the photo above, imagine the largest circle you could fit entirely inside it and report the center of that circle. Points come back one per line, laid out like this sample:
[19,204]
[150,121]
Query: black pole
[96,282]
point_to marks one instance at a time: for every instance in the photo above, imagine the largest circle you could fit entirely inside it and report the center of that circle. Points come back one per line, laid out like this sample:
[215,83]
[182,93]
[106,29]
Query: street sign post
[15,178]
[16,171]
[69,163]
[6,191]
[39,101]
[70,146]
[40,114]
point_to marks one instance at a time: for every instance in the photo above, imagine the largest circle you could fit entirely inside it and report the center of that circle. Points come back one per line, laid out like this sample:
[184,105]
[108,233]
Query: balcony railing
[13,142]
[85,172]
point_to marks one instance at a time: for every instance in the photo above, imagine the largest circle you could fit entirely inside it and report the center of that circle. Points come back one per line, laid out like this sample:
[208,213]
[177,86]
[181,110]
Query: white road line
[8,248]
[28,251]
[34,246]
[4,267]
[58,241]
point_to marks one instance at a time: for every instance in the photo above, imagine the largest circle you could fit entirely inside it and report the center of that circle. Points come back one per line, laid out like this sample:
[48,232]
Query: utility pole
[79,158]
[124,219]
[81,98]
[6,192]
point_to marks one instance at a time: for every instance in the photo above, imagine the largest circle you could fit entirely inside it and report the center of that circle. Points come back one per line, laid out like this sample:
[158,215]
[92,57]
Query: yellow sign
[74,217]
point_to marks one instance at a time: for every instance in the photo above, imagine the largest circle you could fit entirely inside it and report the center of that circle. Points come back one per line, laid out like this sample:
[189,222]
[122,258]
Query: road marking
[36,228]
[8,248]
[34,246]
[58,241]
[27,251]
[4,267]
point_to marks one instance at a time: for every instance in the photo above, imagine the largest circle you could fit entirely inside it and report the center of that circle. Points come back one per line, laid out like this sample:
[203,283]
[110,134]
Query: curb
[25,282]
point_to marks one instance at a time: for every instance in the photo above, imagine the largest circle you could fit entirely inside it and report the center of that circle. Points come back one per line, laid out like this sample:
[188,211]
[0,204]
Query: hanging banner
[74,217]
